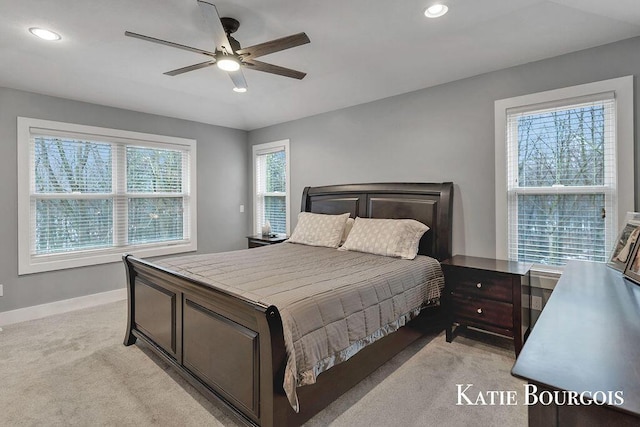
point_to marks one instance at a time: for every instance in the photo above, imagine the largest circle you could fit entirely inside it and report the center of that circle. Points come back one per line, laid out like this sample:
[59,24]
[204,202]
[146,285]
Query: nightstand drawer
[481,284]
[484,311]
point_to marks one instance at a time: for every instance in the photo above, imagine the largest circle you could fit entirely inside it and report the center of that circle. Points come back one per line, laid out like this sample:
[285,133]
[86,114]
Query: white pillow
[319,229]
[389,237]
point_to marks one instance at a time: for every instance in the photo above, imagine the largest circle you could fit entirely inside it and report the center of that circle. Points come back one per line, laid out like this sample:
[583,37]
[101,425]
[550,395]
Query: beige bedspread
[332,303]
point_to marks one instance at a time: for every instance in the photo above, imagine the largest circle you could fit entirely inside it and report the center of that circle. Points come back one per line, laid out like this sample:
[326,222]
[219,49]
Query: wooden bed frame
[232,349]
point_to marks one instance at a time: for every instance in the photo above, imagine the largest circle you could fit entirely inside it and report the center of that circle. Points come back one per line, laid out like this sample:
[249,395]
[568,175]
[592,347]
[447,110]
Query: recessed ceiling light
[44,34]
[436,11]
[240,89]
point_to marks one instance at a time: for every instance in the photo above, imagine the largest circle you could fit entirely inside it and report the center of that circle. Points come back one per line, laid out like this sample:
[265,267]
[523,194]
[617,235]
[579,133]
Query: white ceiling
[360,50]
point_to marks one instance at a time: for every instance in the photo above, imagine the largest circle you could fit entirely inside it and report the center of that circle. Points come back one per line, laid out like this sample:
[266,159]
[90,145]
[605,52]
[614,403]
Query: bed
[232,346]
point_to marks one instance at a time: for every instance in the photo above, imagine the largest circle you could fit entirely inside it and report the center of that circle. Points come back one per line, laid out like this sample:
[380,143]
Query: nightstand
[258,240]
[486,294]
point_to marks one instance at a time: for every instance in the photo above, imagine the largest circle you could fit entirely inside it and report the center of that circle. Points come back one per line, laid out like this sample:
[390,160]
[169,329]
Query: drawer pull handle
[478,285]
[479,311]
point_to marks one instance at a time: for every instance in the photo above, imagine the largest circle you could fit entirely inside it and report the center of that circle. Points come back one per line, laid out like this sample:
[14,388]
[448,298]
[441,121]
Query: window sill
[85,259]
[544,277]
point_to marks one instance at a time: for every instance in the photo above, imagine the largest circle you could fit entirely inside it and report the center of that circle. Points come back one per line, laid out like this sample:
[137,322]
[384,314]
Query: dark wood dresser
[486,294]
[587,340]
[259,240]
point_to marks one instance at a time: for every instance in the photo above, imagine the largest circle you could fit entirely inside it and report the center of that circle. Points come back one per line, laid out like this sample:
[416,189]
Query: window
[563,179]
[271,186]
[88,194]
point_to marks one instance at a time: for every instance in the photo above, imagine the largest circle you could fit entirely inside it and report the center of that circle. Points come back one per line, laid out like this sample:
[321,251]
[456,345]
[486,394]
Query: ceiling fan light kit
[228,54]
[228,63]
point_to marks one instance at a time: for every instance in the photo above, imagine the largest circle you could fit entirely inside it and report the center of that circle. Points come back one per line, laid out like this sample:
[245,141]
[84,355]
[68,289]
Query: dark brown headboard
[429,203]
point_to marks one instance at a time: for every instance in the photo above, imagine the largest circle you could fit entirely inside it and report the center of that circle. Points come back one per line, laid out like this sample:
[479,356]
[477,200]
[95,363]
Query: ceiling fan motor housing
[230,26]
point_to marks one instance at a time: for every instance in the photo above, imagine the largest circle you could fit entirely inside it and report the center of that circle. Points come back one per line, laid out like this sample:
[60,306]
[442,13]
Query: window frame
[265,148]
[29,263]
[622,87]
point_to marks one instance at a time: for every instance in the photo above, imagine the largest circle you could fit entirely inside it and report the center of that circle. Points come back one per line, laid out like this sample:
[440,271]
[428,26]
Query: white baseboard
[58,307]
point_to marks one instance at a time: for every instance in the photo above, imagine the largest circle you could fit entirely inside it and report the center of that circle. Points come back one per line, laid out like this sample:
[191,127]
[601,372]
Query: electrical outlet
[241,208]
[1,290]
[536,303]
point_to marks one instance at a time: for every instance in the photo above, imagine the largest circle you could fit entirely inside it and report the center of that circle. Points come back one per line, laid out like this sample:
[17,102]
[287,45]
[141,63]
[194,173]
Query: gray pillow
[389,237]
[319,229]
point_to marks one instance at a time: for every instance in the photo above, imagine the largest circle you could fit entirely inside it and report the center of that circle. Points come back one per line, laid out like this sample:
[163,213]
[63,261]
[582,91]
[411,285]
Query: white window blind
[561,180]
[157,195]
[271,168]
[90,194]
[72,197]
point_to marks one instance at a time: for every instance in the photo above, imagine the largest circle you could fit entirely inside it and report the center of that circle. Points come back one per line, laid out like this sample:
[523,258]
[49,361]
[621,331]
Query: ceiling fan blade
[189,68]
[238,79]
[272,46]
[273,69]
[166,43]
[212,18]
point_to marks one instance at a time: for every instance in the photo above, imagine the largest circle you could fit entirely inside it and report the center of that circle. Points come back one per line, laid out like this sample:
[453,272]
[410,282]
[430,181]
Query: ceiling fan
[228,55]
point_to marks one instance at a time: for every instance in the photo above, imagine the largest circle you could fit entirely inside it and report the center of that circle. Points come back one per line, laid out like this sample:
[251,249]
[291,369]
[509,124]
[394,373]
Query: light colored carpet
[59,371]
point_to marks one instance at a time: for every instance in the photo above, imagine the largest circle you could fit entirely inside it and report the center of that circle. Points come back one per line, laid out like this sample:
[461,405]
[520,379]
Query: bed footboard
[220,343]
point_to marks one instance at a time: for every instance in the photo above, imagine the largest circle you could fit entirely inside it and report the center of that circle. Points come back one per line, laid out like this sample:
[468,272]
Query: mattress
[332,303]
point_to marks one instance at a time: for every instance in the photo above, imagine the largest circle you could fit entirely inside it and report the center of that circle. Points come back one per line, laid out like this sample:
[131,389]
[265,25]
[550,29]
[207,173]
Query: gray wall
[443,133]
[222,187]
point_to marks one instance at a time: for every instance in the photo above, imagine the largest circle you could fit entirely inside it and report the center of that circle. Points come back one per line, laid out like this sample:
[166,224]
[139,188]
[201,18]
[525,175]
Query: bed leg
[129,339]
